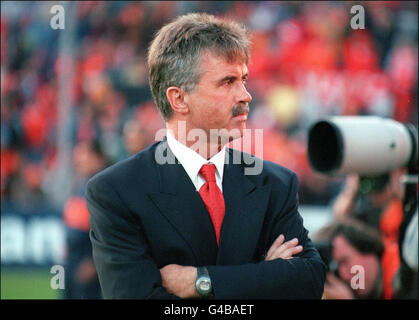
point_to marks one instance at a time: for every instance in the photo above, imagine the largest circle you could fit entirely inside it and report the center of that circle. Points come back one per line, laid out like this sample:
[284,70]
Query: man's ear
[175,96]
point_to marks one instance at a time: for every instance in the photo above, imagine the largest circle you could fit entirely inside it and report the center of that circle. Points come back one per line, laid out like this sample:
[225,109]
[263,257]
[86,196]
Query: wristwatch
[203,283]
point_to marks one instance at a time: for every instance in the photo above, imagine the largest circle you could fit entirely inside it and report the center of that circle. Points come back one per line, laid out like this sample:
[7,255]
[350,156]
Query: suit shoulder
[278,171]
[121,172]
[264,171]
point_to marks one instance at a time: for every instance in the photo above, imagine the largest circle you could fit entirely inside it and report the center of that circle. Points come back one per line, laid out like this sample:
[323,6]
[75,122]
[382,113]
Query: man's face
[346,256]
[220,99]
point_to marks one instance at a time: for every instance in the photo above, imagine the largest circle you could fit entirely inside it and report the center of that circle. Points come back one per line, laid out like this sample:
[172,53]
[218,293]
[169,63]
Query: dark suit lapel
[245,211]
[183,207]
[181,204]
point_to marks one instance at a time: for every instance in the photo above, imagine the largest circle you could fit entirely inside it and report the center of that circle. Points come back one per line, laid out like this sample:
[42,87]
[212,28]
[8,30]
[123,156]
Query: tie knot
[208,172]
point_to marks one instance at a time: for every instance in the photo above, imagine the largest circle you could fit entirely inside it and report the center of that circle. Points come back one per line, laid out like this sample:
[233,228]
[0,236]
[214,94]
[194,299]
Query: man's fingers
[285,250]
[278,247]
[288,251]
[278,241]
[292,251]
[287,245]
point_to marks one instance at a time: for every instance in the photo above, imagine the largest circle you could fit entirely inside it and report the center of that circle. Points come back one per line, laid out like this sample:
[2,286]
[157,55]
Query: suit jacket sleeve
[301,277]
[120,253]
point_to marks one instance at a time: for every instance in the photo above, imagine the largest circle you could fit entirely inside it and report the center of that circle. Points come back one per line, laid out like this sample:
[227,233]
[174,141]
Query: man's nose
[243,95]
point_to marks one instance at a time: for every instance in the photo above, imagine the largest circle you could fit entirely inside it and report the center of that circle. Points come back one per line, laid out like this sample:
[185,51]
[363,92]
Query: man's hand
[282,250]
[335,288]
[179,280]
[344,203]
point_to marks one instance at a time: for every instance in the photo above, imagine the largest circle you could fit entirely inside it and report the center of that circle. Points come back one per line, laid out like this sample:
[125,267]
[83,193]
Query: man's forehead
[217,63]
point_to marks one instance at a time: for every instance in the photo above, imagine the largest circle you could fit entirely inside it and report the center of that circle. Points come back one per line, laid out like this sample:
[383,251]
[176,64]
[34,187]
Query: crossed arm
[180,280]
[126,269]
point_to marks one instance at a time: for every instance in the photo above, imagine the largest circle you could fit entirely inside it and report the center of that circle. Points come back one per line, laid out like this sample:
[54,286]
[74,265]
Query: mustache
[239,109]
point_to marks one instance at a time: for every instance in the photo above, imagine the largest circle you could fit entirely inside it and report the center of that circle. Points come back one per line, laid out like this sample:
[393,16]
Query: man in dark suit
[186,218]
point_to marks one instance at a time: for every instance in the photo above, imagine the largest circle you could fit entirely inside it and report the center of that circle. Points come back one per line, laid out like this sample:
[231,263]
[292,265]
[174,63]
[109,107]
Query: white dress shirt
[192,162]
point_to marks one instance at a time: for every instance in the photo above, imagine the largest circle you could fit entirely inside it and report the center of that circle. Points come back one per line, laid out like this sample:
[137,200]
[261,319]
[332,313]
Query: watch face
[204,285]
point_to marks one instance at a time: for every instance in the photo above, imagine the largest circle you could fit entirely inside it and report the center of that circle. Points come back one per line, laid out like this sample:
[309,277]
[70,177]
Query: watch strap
[202,273]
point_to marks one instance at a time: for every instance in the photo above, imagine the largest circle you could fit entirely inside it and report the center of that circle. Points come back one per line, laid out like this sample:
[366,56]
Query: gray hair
[174,53]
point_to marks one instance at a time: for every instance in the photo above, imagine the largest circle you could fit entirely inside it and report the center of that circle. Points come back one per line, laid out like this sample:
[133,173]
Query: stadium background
[89,82]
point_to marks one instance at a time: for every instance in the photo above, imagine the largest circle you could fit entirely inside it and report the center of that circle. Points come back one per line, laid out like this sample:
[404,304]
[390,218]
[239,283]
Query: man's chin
[235,133]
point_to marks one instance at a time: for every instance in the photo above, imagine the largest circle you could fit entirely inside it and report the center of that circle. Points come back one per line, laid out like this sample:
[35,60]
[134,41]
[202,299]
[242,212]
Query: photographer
[380,157]
[354,260]
[376,201]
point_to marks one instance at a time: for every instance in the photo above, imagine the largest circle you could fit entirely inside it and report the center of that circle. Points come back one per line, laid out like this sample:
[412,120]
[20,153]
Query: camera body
[371,147]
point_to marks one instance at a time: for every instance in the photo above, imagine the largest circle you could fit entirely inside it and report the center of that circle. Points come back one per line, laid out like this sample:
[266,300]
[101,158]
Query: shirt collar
[193,161]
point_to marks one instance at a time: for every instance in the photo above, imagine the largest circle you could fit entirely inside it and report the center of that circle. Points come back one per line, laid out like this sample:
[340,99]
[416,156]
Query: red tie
[213,198]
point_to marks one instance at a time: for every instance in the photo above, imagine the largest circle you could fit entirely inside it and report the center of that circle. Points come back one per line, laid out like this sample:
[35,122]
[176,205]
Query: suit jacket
[145,215]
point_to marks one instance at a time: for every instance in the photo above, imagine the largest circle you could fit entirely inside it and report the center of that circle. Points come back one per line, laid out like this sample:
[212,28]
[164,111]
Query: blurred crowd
[80,104]
[307,63]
